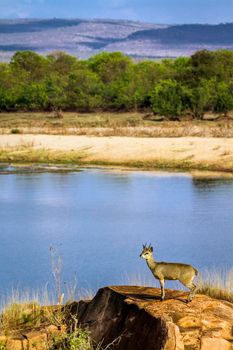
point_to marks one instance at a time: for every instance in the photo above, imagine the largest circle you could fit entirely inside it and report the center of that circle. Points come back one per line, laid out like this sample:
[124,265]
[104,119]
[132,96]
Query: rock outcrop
[133,318]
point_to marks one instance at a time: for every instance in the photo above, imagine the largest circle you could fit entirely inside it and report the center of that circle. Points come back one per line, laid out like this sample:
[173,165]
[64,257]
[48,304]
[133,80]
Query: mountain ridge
[84,38]
[195,33]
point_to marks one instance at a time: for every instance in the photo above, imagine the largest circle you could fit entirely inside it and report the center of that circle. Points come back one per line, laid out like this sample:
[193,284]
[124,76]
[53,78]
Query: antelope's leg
[192,287]
[162,289]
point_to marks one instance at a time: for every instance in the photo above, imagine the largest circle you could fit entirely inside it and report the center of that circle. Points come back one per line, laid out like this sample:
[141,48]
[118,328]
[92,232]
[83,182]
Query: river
[97,221]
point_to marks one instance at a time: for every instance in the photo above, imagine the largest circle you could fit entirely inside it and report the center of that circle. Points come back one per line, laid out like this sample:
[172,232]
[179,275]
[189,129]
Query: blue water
[97,221]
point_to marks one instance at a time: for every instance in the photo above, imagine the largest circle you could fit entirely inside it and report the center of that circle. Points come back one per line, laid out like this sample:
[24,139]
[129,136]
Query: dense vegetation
[114,82]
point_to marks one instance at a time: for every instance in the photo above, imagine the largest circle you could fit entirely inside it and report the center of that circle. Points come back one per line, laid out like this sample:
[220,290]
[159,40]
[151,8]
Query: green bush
[79,339]
[169,98]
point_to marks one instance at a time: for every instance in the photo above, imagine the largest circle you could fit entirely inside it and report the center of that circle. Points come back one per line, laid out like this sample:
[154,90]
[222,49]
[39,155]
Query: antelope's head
[146,251]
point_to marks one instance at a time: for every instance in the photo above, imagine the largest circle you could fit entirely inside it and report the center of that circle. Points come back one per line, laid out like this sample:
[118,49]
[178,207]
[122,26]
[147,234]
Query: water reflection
[212,183]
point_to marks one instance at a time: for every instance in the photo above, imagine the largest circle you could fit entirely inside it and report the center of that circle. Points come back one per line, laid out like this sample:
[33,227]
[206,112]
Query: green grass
[163,164]
[25,155]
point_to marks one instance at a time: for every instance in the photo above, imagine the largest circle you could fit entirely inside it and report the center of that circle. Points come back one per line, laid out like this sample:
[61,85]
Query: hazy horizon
[151,11]
[102,19]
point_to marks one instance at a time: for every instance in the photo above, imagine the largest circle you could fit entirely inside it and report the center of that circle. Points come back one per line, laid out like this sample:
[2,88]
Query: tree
[223,98]
[32,97]
[31,63]
[54,89]
[169,98]
[113,81]
[142,81]
[203,64]
[110,66]
[61,62]
[202,97]
[83,91]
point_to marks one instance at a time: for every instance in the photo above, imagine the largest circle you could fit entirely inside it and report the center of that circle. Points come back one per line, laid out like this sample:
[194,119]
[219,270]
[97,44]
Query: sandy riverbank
[183,152]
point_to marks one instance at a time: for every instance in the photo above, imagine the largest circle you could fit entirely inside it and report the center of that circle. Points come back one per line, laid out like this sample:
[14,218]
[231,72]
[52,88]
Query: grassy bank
[111,124]
[30,156]
[27,155]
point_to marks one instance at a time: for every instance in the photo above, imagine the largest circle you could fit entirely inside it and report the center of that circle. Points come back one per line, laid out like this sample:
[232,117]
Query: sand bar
[120,149]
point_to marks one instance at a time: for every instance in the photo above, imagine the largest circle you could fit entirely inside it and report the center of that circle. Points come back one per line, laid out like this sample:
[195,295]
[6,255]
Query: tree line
[115,82]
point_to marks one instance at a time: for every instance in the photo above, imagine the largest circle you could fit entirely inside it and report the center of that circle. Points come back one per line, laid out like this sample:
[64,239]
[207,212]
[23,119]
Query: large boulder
[134,318]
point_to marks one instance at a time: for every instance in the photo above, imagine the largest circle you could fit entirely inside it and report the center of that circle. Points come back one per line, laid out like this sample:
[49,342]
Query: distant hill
[221,34]
[27,26]
[84,38]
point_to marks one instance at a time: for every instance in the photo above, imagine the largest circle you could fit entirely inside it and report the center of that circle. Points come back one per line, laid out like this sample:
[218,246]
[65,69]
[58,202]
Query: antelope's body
[170,271]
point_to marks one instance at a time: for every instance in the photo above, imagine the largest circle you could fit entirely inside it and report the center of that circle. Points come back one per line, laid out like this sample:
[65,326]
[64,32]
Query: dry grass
[139,280]
[25,309]
[217,283]
[110,124]
[15,121]
[23,312]
[20,310]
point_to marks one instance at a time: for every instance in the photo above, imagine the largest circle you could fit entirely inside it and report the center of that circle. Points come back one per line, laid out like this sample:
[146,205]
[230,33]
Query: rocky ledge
[134,318]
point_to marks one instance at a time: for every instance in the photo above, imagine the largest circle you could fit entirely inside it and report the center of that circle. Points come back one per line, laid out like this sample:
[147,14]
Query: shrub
[15,131]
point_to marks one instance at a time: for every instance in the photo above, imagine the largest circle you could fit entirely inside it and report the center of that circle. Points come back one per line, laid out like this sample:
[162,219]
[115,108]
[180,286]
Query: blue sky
[157,11]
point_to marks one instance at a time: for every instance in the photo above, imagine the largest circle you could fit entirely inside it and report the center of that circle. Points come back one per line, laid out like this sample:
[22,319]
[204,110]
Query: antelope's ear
[151,249]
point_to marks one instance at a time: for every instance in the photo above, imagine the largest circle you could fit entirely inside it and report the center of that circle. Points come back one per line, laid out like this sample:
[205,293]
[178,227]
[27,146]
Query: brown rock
[215,344]
[135,319]
[189,322]
[30,340]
